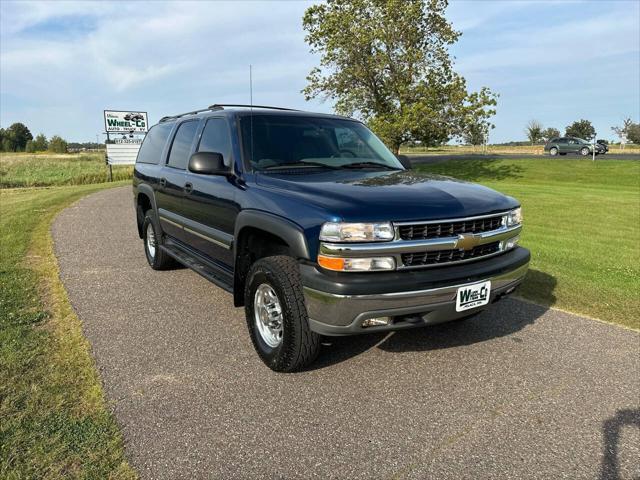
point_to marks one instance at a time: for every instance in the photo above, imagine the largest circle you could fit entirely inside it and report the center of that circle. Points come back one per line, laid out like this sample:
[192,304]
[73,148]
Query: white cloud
[574,42]
[468,15]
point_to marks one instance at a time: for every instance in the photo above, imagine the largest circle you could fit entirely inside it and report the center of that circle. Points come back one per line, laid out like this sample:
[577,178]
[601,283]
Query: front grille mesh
[449,229]
[446,256]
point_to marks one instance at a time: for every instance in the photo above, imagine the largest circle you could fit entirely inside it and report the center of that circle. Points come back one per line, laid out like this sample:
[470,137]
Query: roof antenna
[251,109]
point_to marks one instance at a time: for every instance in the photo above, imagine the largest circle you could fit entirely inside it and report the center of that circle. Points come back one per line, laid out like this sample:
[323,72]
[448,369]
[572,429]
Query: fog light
[376,322]
[511,242]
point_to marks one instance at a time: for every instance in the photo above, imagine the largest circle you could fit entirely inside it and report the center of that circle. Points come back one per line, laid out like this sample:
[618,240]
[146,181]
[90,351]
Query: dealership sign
[128,141]
[125,122]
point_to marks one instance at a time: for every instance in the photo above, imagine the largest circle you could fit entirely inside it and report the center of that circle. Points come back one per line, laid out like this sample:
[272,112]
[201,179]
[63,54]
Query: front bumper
[427,297]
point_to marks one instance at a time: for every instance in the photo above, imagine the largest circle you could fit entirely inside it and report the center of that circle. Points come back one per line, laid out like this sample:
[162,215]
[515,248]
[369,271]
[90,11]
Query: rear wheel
[553,151]
[277,317]
[584,151]
[157,258]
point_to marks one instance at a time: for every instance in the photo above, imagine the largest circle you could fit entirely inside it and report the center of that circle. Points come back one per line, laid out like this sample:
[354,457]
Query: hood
[360,195]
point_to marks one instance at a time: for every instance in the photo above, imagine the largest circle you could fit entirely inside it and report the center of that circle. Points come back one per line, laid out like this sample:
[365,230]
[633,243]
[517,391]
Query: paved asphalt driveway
[520,392]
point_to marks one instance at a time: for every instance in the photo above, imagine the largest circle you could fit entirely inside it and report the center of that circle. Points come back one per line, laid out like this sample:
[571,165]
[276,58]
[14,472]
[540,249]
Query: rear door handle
[188,187]
[163,182]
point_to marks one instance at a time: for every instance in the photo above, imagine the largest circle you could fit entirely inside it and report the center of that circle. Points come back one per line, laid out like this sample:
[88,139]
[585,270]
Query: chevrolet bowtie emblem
[467,242]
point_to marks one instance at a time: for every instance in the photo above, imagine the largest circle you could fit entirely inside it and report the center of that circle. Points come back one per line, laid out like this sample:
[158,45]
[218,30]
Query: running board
[206,269]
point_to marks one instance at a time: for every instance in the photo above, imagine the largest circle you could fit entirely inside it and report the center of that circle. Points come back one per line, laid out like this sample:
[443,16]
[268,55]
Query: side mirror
[404,160]
[208,163]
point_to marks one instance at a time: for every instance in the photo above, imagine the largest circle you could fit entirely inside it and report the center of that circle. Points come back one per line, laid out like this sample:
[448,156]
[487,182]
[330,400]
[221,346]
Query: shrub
[57,144]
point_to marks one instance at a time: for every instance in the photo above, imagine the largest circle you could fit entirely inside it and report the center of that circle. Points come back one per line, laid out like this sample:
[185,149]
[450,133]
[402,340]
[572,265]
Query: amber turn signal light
[331,263]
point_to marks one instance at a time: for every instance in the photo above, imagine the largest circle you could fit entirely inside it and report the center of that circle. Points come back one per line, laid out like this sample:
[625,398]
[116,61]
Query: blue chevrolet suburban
[316,228]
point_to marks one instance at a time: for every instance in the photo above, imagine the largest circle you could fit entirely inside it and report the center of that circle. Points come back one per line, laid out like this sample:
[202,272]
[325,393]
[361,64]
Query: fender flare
[289,231]
[146,190]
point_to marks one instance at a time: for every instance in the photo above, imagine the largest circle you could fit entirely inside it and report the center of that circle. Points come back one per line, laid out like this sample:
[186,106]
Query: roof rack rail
[220,106]
[173,117]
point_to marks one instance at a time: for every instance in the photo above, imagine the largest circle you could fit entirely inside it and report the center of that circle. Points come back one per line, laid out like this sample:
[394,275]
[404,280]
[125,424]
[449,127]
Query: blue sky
[62,63]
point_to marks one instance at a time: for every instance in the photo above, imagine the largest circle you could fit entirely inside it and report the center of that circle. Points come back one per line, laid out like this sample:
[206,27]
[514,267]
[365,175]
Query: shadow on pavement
[611,430]
[503,318]
[538,287]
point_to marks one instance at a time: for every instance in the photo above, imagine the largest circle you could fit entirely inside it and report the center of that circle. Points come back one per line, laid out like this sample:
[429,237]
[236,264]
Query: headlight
[356,232]
[340,264]
[513,218]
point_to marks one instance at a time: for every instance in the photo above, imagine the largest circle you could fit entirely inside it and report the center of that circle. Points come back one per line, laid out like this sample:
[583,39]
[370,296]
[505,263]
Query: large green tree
[387,62]
[581,129]
[18,135]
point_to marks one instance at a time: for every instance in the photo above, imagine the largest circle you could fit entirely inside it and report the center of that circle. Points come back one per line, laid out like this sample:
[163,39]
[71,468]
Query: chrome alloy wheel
[151,241]
[267,314]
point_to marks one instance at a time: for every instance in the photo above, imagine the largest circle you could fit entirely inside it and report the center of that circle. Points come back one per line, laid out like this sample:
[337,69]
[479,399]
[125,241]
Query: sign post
[128,128]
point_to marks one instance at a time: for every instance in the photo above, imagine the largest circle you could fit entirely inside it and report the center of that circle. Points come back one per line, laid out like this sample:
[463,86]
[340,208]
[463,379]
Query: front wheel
[553,151]
[584,151]
[277,317]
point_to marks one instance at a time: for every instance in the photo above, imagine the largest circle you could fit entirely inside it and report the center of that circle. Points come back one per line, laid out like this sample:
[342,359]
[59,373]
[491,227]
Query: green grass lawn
[582,225]
[53,419]
[47,169]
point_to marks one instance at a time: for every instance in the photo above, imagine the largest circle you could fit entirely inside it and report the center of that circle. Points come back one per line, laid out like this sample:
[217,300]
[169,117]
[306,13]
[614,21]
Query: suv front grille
[449,229]
[446,256]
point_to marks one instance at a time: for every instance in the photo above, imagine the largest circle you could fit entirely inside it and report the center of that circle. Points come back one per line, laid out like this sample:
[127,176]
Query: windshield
[273,142]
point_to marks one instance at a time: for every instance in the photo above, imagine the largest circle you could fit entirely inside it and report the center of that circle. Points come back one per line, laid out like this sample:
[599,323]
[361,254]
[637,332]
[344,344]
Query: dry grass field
[18,170]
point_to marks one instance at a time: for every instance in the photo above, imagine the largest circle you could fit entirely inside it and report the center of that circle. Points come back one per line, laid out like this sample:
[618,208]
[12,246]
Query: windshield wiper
[369,165]
[284,166]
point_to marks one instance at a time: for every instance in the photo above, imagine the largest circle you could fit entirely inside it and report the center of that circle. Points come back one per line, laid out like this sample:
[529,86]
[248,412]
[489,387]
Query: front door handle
[163,182]
[188,188]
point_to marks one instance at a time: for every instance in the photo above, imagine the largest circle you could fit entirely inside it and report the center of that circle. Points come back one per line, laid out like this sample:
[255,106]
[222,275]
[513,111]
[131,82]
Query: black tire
[584,151]
[299,345]
[553,151]
[158,260]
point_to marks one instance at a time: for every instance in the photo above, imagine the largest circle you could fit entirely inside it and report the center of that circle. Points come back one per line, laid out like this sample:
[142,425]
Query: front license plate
[472,296]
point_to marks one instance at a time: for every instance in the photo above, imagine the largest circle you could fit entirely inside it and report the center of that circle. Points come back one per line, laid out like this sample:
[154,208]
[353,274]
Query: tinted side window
[153,144]
[562,140]
[215,138]
[181,147]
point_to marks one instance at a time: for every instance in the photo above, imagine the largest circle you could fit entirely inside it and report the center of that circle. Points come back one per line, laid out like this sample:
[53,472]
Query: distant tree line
[77,146]
[628,131]
[18,138]
[536,133]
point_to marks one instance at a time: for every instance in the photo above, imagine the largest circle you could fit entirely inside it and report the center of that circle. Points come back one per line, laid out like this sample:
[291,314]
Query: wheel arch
[145,200]
[260,234]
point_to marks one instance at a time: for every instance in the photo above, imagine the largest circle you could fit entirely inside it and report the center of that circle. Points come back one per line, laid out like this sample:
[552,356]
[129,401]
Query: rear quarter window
[153,144]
